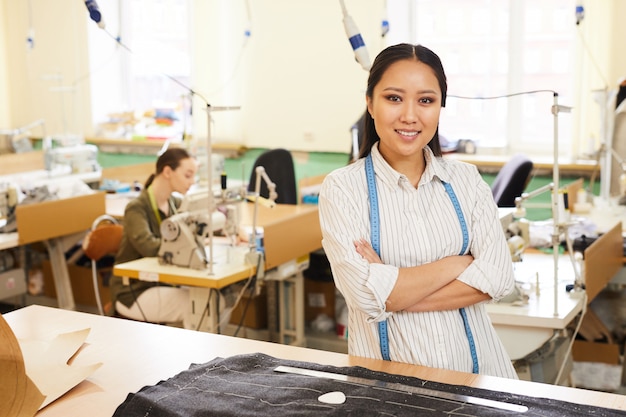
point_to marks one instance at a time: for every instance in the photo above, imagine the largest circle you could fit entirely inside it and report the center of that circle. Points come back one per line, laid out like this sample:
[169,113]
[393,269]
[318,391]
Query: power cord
[571,343]
[130,286]
[251,279]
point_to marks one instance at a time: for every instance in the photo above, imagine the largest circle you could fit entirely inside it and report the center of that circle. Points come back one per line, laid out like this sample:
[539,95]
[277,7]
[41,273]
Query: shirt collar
[435,168]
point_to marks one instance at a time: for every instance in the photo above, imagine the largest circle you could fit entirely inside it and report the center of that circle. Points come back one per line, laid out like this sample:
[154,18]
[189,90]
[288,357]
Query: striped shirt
[417,226]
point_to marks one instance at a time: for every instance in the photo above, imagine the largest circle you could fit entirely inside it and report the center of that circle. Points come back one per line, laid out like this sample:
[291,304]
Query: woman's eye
[394,98]
[426,100]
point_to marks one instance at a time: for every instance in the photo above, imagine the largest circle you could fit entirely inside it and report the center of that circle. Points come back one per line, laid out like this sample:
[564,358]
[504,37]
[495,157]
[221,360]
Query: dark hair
[170,158]
[383,61]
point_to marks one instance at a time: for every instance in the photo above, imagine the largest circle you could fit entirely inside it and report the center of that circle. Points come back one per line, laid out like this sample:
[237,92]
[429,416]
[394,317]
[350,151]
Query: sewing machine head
[79,158]
[183,236]
[182,241]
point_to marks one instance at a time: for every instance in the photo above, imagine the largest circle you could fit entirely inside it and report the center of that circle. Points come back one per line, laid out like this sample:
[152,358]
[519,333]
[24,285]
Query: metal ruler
[460,398]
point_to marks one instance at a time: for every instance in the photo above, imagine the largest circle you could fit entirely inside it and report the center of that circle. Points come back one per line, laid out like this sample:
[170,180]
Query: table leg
[62,283]
[203,310]
[291,311]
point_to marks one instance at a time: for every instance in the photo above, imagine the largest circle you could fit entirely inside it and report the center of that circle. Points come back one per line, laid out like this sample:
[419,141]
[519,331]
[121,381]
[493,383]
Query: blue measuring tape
[461,217]
[375,238]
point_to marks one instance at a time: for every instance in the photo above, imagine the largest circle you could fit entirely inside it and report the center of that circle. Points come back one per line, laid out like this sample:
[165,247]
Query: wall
[58,60]
[297,83]
[295,80]
[5,114]
[602,64]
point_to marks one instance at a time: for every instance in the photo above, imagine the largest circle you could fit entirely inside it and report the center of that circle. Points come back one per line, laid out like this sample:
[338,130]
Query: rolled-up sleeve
[492,269]
[343,206]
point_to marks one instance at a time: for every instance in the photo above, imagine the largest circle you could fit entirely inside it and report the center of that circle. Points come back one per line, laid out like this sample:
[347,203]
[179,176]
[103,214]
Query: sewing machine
[18,140]
[184,235]
[8,199]
[79,158]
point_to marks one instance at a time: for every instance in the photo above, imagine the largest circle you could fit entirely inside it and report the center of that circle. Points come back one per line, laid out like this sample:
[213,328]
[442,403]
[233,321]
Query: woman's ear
[167,171]
[368,101]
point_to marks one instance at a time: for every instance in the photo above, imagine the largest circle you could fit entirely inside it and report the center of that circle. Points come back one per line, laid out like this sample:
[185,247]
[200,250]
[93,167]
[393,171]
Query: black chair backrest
[359,125]
[511,181]
[278,164]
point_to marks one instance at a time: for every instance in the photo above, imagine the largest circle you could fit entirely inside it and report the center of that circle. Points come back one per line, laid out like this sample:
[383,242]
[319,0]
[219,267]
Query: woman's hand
[365,249]
[428,287]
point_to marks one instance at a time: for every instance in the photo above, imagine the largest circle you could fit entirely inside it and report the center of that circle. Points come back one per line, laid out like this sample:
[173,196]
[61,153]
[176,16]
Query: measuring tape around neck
[155,207]
[375,241]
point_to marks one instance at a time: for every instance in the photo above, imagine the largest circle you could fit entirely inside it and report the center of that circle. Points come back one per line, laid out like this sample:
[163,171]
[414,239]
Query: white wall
[602,63]
[297,83]
[58,59]
[5,114]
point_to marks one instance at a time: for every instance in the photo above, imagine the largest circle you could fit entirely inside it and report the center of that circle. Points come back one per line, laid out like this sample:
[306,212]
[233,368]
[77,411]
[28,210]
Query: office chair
[512,180]
[357,130]
[103,239]
[278,164]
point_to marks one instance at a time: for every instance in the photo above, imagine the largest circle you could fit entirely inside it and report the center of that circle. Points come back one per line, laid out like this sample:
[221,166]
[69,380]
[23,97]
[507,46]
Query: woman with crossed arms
[414,240]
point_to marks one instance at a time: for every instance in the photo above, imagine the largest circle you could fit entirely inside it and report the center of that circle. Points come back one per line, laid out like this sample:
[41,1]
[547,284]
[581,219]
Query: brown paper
[34,373]
[18,394]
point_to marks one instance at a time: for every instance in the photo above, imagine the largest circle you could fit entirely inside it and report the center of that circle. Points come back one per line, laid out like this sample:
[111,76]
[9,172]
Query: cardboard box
[596,365]
[319,298]
[587,351]
[56,218]
[82,283]
[256,313]
[12,283]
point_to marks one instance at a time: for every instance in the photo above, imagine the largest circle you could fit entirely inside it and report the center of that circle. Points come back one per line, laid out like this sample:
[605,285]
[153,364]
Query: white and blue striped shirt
[417,226]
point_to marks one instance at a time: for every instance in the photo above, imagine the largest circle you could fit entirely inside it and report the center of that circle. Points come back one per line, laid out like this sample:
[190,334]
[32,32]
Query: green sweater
[141,238]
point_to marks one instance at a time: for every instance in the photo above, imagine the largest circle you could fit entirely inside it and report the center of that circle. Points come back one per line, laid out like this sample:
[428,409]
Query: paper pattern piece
[47,364]
[34,373]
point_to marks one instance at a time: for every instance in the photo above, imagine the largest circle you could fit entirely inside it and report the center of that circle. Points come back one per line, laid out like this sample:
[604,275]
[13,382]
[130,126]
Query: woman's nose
[410,112]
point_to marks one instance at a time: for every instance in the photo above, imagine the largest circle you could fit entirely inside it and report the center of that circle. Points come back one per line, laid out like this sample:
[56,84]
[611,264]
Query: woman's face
[405,106]
[184,176]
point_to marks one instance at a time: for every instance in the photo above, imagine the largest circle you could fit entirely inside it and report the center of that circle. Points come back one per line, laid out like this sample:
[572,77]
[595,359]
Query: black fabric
[278,164]
[247,385]
[511,180]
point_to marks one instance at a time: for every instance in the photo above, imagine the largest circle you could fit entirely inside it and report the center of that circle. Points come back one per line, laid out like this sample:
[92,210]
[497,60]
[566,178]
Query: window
[494,48]
[132,76]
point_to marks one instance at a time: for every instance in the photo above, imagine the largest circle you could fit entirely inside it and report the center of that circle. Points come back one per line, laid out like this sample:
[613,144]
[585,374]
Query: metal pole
[210,188]
[555,203]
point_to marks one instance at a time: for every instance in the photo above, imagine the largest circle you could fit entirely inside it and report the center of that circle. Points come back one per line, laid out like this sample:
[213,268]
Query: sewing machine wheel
[170,231]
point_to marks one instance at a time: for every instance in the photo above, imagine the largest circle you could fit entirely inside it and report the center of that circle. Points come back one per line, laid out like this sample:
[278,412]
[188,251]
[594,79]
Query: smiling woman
[405,105]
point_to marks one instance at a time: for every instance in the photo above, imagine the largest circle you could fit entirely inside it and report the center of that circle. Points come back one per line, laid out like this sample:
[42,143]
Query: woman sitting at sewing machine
[153,301]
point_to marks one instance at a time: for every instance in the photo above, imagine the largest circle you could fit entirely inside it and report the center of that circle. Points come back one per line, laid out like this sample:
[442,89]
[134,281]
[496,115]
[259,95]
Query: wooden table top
[136,354]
